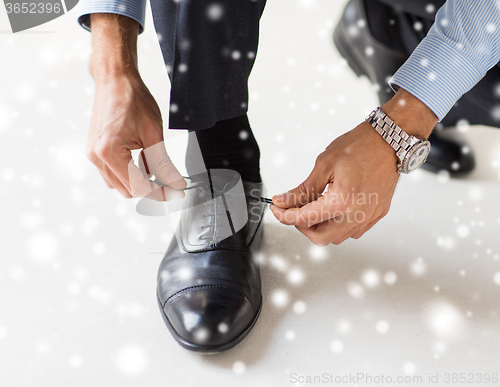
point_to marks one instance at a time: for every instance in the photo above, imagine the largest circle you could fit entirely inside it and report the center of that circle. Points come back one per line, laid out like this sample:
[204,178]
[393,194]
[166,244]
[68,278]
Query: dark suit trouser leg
[480,105]
[209,49]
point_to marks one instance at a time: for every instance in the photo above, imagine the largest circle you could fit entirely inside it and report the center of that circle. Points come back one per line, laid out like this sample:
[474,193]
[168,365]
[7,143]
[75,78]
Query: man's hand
[359,171]
[125,116]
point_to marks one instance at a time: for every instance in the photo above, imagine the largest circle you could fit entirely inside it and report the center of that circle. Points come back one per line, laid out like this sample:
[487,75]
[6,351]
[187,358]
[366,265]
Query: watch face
[417,156]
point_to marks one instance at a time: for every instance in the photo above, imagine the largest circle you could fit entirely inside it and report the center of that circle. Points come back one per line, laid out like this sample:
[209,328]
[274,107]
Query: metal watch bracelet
[411,151]
[393,134]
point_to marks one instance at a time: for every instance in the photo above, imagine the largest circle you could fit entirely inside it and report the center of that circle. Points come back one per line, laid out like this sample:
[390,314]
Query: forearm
[114,46]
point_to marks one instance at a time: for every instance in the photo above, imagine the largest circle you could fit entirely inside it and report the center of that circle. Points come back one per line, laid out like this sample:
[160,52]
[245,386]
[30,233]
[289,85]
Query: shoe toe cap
[450,151]
[209,317]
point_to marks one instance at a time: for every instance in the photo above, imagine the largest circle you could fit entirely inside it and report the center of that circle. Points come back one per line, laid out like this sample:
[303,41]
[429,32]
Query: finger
[141,187]
[318,211]
[106,181]
[113,180]
[332,231]
[143,165]
[157,162]
[346,236]
[120,162]
[109,177]
[116,157]
[309,190]
[165,194]
[366,228]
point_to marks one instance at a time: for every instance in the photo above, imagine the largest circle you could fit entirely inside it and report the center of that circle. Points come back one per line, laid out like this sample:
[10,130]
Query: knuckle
[126,194]
[314,239]
[321,159]
[90,155]
[303,188]
[319,240]
[164,165]
[342,207]
[103,148]
[323,162]
[369,212]
[302,222]
[134,191]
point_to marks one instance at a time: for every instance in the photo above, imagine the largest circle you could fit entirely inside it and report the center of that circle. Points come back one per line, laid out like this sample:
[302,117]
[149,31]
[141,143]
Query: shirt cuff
[134,9]
[438,74]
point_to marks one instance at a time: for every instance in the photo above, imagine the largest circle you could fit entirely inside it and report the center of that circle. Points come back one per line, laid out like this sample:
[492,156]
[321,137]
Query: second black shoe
[450,150]
[209,287]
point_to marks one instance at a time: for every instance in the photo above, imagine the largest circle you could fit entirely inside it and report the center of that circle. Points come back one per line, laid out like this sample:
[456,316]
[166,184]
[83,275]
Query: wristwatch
[411,151]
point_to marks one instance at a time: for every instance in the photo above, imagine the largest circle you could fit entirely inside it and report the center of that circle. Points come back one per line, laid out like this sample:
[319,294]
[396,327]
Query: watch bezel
[405,164]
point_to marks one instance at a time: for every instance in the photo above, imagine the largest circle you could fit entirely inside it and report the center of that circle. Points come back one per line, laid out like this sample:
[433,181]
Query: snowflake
[43,247]
[280,298]
[390,278]
[337,346]
[463,231]
[409,368]
[299,307]
[131,360]
[418,267]
[290,335]
[382,326]
[490,28]
[239,367]
[371,278]
[215,12]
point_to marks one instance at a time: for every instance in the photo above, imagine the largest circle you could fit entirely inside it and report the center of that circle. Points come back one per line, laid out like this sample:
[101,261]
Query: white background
[419,294]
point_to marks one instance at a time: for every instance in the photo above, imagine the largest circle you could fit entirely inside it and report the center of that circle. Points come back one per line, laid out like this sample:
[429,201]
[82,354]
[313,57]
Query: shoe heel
[340,41]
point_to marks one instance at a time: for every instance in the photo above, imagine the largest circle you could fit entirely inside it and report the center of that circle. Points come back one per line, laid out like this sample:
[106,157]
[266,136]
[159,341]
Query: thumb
[306,192]
[157,162]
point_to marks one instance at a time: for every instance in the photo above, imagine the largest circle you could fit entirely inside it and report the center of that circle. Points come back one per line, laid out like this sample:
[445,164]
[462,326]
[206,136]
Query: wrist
[410,114]
[378,145]
[114,47]
[105,70]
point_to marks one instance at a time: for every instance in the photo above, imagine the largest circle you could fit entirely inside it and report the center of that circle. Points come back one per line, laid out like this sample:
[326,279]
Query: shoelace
[259,198]
[215,225]
[214,193]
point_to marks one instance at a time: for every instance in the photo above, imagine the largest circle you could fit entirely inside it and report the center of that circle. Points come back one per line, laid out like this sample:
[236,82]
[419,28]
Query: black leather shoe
[450,150]
[209,288]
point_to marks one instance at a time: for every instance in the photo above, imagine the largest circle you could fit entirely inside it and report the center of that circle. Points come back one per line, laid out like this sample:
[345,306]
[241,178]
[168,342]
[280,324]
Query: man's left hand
[359,171]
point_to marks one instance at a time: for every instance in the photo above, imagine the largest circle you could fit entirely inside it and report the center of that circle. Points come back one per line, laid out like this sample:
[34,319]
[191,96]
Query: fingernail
[282,197]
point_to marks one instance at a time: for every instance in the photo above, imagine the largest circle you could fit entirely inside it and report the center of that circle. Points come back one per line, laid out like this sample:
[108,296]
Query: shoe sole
[206,350]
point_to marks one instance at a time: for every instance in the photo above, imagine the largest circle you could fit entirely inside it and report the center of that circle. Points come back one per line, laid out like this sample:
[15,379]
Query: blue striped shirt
[134,9]
[462,45]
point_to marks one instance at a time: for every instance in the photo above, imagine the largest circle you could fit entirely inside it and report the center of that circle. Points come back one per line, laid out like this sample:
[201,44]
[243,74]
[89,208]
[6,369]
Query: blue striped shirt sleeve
[461,46]
[134,9]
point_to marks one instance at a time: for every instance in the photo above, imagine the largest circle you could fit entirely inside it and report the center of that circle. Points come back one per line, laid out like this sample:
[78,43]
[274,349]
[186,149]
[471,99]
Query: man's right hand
[125,116]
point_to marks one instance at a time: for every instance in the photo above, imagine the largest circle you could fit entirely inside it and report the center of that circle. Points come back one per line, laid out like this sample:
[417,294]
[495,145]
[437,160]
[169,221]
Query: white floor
[417,296]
